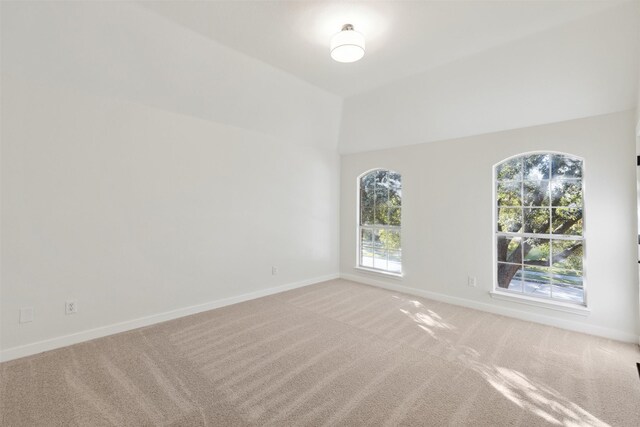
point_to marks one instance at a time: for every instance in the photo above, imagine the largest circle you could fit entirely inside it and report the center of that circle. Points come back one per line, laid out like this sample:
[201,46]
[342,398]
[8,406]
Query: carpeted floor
[336,353]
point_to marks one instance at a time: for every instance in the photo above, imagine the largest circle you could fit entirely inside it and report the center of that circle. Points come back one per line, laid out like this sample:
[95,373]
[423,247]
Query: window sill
[397,276]
[537,302]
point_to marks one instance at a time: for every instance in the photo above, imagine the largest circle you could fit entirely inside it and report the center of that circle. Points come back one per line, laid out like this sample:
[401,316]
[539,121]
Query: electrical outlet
[274,271]
[471,281]
[71,307]
[26,315]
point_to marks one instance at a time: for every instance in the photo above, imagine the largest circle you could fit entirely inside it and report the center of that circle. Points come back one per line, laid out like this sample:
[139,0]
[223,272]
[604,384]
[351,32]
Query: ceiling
[403,38]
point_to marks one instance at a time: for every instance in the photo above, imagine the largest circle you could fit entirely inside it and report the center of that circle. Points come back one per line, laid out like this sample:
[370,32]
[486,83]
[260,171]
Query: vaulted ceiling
[433,70]
[403,37]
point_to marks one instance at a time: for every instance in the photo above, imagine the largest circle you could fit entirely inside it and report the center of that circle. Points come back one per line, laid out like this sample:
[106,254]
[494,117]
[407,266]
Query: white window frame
[539,300]
[374,227]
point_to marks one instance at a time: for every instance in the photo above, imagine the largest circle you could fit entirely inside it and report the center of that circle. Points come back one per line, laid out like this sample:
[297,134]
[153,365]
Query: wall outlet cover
[71,307]
[26,315]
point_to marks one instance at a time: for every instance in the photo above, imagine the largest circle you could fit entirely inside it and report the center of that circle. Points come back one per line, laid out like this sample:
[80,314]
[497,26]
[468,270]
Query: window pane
[366,256]
[390,239]
[536,251]
[567,285]
[366,237]
[537,281]
[510,277]
[536,220]
[509,249]
[536,193]
[367,181]
[536,167]
[566,193]
[368,247]
[382,214]
[395,189]
[566,221]
[567,254]
[366,198]
[381,188]
[377,241]
[382,195]
[366,217]
[395,216]
[567,167]
[380,259]
[510,170]
[395,261]
[395,200]
[381,177]
[509,193]
[510,220]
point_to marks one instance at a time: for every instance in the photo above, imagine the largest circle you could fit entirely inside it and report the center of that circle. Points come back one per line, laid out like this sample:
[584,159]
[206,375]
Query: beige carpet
[336,353]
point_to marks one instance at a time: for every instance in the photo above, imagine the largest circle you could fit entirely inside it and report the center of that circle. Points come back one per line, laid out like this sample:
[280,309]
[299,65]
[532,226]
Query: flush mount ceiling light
[347,45]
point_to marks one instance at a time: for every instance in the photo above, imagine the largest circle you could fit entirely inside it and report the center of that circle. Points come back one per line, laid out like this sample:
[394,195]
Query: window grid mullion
[376,226]
[550,236]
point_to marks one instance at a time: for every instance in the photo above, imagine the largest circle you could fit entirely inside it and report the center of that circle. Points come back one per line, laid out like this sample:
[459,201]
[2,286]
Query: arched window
[380,215]
[539,226]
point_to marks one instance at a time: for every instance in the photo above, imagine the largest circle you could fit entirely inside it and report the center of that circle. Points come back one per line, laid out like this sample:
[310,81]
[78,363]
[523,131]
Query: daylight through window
[380,220]
[539,226]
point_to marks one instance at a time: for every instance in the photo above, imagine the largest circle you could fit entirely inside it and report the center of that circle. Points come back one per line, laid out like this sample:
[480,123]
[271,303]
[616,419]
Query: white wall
[585,68]
[447,218]
[147,170]
[638,110]
[134,211]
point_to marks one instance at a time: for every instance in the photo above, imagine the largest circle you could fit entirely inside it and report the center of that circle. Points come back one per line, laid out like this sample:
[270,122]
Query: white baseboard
[504,311]
[78,337]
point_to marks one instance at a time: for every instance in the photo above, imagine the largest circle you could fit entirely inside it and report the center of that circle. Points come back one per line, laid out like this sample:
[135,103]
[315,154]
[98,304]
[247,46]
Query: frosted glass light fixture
[347,45]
